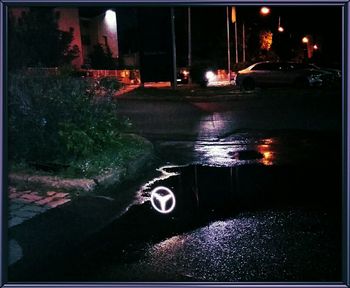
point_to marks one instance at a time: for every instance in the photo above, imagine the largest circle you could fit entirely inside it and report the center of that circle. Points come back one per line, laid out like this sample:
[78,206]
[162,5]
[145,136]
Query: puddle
[205,194]
[209,190]
[219,208]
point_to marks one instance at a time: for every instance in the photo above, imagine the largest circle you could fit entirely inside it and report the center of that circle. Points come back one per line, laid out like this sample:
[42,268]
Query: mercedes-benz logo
[163,199]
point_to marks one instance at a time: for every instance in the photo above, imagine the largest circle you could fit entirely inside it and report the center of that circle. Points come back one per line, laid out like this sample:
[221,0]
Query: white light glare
[210,75]
[110,17]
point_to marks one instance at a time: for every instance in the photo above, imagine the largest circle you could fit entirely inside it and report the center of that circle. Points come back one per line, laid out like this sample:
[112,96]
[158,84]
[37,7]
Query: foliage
[264,55]
[265,40]
[101,58]
[58,118]
[110,83]
[36,41]
[127,148]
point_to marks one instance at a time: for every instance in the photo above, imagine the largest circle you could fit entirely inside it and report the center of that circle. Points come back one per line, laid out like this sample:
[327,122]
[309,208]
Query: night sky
[324,23]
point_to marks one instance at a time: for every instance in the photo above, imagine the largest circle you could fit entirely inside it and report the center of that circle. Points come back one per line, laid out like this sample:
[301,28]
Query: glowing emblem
[163,199]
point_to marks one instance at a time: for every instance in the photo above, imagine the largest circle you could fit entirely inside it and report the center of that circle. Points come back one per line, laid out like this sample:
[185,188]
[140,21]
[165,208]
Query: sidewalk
[24,205]
[190,93]
[49,216]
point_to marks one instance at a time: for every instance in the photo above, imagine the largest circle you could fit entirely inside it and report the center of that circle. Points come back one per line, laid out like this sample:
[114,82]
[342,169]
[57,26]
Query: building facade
[88,31]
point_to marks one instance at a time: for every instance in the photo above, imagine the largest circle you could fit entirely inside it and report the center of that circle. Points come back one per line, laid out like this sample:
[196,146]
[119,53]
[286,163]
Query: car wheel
[248,84]
[301,82]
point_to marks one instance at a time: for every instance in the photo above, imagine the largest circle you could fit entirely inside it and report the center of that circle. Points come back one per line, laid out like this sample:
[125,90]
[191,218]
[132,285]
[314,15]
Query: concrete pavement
[25,205]
[48,215]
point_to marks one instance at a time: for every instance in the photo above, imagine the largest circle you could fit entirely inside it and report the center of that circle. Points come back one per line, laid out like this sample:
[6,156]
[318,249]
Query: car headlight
[210,75]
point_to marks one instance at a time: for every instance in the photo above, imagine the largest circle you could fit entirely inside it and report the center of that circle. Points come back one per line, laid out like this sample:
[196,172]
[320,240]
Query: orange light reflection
[269,156]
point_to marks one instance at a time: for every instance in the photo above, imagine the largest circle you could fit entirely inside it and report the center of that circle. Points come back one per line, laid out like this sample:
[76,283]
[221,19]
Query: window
[105,40]
[263,66]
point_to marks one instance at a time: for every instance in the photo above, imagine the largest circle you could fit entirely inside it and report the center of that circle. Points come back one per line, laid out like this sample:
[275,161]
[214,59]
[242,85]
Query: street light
[280,28]
[110,16]
[305,40]
[264,11]
[315,47]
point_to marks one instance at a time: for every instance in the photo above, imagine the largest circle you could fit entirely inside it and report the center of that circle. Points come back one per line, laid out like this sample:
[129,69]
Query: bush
[102,58]
[110,83]
[58,119]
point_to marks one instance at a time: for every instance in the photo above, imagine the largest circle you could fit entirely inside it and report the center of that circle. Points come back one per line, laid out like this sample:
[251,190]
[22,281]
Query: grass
[129,147]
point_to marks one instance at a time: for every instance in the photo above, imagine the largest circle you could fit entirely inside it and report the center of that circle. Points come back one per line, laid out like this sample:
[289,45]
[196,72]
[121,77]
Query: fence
[125,76]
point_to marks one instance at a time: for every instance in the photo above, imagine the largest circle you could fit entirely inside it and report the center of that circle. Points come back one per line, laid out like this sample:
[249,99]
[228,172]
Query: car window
[278,66]
[262,66]
[283,67]
[269,67]
[303,66]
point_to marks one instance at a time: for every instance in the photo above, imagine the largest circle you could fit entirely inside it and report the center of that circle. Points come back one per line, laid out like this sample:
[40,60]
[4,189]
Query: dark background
[324,23]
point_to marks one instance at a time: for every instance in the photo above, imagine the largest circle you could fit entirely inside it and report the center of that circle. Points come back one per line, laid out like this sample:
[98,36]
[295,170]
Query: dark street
[169,143]
[258,195]
[208,119]
[262,203]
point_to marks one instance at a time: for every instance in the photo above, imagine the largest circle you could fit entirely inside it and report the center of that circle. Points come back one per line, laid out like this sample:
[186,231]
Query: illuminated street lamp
[305,40]
[315,47]
[264,11]
[110,16]
[280,28]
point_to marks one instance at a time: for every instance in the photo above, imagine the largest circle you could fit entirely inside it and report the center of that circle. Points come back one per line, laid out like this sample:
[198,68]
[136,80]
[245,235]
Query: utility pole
[172,15]
[243,44]
[228,45]
[189,44]
[236,42]
[234,20]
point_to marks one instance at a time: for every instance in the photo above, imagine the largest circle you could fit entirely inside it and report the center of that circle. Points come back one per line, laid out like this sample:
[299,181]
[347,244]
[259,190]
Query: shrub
[58,119]
[110,83]
[102,58]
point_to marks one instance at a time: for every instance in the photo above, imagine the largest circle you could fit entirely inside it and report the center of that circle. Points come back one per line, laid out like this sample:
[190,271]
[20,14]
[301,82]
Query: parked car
[334,75]
[281,73]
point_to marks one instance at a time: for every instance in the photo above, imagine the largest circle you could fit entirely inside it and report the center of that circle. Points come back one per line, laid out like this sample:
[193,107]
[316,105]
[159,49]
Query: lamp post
[189,56]
[280,28]
[173,41]
[228,43]
[264,11]
[307,40]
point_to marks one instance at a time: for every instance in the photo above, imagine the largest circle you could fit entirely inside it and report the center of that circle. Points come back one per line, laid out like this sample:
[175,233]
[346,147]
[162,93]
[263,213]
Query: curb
[87,185]
[53,182]
[51,231]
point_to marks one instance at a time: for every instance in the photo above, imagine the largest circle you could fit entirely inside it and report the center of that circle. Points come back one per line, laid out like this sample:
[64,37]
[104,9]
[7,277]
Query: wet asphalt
[253,222]
[258,188]
[270,245]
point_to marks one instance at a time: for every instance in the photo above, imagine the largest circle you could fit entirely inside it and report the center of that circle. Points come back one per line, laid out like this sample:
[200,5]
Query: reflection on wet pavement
[248,208]
[276,149]
[259,246]
[253,222]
